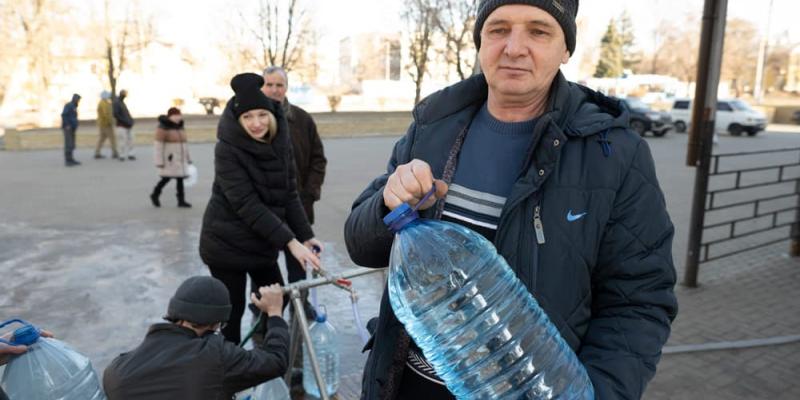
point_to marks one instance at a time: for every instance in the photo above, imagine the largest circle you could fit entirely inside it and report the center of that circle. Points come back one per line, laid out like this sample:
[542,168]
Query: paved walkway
[83,253]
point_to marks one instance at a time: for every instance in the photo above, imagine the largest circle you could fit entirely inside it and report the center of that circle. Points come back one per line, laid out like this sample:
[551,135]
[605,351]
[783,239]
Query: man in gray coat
[187,358]
[552,174]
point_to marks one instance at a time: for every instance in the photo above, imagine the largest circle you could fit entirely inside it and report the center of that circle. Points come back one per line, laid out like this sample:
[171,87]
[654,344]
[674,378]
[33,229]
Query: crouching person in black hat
[187,359]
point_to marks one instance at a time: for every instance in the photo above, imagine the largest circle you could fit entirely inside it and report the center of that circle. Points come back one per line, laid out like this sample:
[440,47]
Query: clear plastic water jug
[273,389]
[50,369]
[324,338]
[476,323]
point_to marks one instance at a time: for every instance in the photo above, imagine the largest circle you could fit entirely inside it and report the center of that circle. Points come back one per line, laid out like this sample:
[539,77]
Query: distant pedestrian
[124,127]
[69,124]
[171,155]
[105,126]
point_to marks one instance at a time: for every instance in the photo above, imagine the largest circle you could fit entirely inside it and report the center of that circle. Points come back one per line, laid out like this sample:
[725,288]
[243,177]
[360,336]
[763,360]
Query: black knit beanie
[202,300]
[249,95]
[564,11]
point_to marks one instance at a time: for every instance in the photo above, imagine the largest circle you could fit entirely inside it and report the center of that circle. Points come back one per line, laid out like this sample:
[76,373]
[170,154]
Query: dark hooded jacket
[254,210]
[121,113]
[69,115]
[309,157]
[174,363]
[606,280]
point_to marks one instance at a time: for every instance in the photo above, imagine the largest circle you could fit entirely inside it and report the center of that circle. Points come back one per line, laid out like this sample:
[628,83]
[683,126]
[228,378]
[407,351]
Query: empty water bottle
[323,336]
[48,370]
[476,323]
[273,389]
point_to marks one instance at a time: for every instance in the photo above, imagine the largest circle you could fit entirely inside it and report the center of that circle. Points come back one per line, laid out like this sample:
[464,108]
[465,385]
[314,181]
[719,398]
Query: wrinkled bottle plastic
[324,338]
[48,370]
[476,323]
[273,389]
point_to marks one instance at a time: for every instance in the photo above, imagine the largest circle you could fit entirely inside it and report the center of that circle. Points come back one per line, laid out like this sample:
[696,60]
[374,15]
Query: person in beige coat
[105,124]
[171,155]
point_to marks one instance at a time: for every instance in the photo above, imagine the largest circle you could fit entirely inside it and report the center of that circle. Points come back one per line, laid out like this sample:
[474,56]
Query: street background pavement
[84,254]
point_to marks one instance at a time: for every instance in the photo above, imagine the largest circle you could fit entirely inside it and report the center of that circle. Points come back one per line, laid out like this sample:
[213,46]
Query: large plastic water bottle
[476,323]
[273,389]
[323,336]
[48,370]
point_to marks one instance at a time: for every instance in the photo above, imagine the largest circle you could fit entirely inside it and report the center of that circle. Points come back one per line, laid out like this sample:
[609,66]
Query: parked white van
[733,116]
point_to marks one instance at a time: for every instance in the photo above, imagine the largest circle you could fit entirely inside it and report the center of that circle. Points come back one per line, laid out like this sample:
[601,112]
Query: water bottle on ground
[324,337]
[476,323]
[273,389]
[48,370]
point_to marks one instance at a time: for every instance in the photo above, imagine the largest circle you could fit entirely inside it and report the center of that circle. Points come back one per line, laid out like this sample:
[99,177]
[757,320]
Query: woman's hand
[303,254]
[314,245]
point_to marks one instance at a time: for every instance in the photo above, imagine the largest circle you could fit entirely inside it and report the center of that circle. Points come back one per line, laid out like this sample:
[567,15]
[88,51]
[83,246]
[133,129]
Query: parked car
[733,116]
[644,119]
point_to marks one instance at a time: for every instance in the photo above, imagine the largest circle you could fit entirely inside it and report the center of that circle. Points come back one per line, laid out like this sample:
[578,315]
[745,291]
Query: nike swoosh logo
[574,217]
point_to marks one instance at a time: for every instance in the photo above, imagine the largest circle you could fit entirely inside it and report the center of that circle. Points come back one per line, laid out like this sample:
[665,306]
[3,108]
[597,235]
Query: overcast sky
[194,21]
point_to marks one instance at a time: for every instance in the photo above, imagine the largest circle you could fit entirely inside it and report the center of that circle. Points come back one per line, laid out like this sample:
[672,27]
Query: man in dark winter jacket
[69,124]
[309,155]
[187,359]
[124,128]
[550,172]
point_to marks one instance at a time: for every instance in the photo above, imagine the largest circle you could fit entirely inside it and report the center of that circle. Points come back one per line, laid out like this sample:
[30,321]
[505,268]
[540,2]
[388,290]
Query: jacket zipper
[537,224]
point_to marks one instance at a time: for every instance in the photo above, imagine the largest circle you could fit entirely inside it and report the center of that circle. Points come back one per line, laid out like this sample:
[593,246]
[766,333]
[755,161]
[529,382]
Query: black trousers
[69,143]
[163,182]
[236,282]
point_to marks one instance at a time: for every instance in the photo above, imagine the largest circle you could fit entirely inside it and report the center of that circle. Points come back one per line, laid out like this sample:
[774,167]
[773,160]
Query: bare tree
[283,33]
[124,38]
[38,35]
[738,58]
[421,16]
[679,49]
[456,21]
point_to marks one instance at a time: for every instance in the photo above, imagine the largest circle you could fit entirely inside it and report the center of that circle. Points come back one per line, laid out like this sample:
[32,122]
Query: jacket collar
[230,131]
[166,123]
[170,328]
[577,110]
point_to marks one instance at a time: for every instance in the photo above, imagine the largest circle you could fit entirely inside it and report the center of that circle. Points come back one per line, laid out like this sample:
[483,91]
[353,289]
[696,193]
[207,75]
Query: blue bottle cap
[27,335]
[321,317]
[400,217]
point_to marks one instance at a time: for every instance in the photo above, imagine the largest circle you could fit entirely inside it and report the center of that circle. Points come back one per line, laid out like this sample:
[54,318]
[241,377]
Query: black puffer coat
[254,209]
[605,280]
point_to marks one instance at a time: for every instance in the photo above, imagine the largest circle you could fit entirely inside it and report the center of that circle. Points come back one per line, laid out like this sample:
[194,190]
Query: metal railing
[754,202]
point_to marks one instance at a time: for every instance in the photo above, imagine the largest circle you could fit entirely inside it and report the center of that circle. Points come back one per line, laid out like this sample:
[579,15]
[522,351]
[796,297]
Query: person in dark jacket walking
[254,211]
[171,155]
[552,174]
[69,124]
[124,127]
[309,157]
[186,359]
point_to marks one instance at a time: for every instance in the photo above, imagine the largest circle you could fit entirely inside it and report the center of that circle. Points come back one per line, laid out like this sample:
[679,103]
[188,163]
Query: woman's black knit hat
[249,95]
[564,11]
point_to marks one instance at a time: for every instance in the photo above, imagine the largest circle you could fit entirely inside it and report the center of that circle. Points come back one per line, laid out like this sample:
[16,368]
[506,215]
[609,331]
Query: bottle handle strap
[9,322]
[425,198]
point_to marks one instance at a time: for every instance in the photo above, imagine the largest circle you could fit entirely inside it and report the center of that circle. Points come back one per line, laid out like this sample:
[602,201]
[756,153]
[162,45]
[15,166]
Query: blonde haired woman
[254,211]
